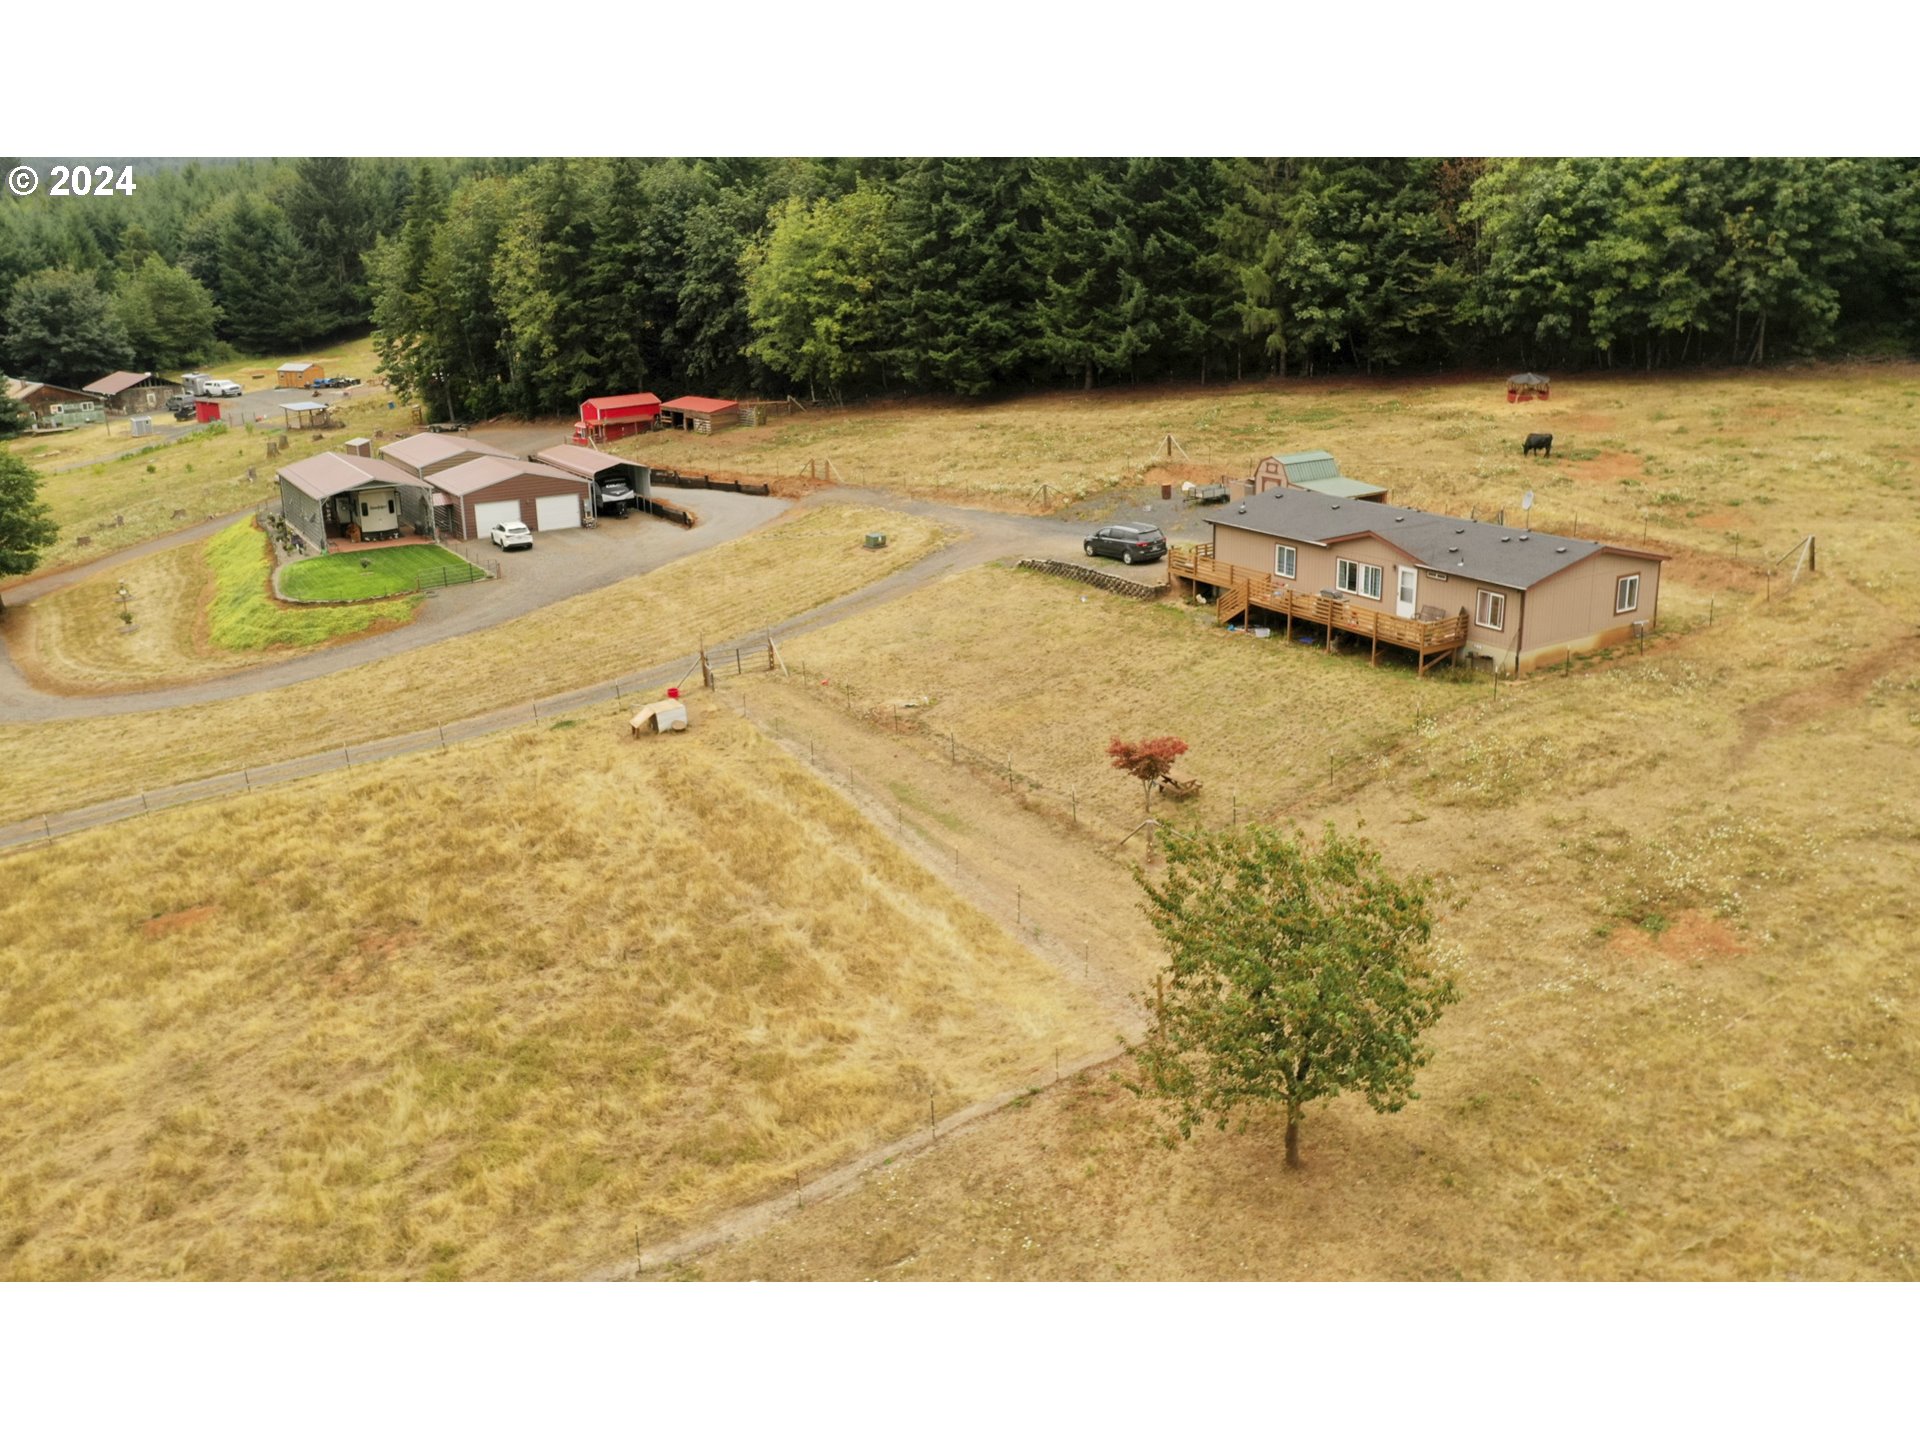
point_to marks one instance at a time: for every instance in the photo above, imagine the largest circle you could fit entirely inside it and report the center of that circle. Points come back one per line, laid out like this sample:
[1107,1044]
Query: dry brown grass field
[1664,454]
[495,1019]
[1680,886]
[1682,890]
[800,561]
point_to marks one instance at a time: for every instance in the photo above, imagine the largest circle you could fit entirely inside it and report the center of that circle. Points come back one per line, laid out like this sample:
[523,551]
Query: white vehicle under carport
[511,535]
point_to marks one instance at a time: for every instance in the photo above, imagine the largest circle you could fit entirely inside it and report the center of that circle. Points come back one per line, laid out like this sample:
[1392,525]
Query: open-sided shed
[701,413]
[615,482]
[1527,386]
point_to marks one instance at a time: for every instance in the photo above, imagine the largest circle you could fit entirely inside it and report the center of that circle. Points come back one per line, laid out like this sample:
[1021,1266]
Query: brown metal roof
[488,471]
[426,449]
[579,460]
[330,474]
[123,380]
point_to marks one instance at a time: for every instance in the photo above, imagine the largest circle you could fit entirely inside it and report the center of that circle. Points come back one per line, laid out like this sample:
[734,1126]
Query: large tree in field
[26,525]
[817,289]
[62,329]
[1296,973]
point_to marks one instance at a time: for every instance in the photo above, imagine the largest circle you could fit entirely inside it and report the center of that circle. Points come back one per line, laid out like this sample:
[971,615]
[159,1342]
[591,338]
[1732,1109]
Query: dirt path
[1075,907]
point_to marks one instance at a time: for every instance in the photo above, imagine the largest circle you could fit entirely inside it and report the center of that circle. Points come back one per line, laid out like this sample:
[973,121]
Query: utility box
[876,540]
[142,425]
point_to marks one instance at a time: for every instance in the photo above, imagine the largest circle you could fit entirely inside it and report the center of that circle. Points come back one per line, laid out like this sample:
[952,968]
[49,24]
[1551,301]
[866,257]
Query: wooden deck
[1241,590]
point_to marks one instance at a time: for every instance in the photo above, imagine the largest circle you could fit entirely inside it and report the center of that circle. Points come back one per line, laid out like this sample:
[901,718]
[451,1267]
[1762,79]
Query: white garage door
[494,512]
[557,512]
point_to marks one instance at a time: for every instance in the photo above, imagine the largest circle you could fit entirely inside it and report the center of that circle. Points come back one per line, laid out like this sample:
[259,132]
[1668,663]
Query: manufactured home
[1437,585]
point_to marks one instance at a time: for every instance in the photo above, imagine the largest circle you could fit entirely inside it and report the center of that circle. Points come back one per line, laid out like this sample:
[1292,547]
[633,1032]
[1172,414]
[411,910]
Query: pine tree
[61,329]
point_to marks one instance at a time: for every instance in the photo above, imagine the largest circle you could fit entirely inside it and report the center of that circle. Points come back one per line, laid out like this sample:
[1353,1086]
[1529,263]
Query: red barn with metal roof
[612,417]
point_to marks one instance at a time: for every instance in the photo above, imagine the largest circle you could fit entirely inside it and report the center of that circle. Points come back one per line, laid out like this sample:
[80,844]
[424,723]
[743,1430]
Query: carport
[480,494]
[614,481]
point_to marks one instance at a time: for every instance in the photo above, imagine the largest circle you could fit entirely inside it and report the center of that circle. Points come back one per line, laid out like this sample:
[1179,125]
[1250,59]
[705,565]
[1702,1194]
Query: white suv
[512,535]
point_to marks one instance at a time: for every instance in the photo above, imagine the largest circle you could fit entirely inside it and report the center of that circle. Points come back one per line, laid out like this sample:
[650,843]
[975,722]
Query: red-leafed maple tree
[1148,761]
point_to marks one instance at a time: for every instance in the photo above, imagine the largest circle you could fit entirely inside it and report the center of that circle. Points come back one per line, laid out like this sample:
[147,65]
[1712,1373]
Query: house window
[1492,614]
[1626,594]
[1284,561]
[1358,579]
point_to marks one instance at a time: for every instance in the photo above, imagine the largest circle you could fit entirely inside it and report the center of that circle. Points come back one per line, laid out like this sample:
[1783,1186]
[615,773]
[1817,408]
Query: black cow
[1542,443]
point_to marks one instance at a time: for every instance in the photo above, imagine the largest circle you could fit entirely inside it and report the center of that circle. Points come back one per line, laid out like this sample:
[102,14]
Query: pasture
[1679,890]
[499,1017]
[803,560]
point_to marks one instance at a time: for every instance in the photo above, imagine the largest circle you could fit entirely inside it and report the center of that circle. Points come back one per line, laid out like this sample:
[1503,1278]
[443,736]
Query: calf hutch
[338,497]
[471,498]
[299,374]
[614,417]
[127,393]
[1437,585]
[698,412]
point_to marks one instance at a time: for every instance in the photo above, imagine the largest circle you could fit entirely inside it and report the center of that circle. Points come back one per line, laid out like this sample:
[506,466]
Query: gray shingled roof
[1497,554]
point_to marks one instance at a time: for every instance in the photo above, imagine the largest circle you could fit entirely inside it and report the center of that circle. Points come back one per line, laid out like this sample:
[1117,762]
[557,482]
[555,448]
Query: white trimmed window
[1626,594]
[1358,579]
[1492,614]
[1285,562]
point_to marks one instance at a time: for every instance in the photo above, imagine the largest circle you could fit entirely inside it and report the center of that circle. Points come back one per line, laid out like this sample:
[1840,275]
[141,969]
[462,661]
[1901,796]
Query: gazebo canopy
[1527,378]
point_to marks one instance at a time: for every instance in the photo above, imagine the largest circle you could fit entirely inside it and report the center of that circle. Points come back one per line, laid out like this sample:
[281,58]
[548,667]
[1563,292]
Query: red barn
[613,417]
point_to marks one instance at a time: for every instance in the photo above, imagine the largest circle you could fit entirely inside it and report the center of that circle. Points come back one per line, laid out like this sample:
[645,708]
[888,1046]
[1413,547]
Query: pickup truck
[223,387]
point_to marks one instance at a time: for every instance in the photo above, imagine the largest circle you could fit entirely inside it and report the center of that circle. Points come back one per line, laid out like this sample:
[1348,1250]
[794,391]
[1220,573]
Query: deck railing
[1241,589]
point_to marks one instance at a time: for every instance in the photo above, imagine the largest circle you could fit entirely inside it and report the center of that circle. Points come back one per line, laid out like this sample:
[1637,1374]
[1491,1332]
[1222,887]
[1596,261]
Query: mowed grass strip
[245,615]
[485,1020]
[198,610]
[371,574]
[802,561]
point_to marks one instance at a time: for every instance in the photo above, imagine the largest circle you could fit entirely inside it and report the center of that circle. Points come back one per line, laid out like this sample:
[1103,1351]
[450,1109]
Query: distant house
[1314,470]
[56,404]
[333,497]
[1435,584]
[299,374]
[699,412]
[471,498]
[126,393]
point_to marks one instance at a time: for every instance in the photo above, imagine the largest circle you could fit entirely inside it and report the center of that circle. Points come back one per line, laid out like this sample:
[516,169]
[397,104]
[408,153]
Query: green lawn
[372,574]
[245,616]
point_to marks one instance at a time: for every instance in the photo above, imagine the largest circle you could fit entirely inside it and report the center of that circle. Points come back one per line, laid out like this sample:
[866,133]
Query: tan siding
[1574,609]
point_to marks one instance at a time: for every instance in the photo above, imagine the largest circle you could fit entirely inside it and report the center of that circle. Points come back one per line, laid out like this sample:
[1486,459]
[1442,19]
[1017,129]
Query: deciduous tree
[1295,973]
[1148,761]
